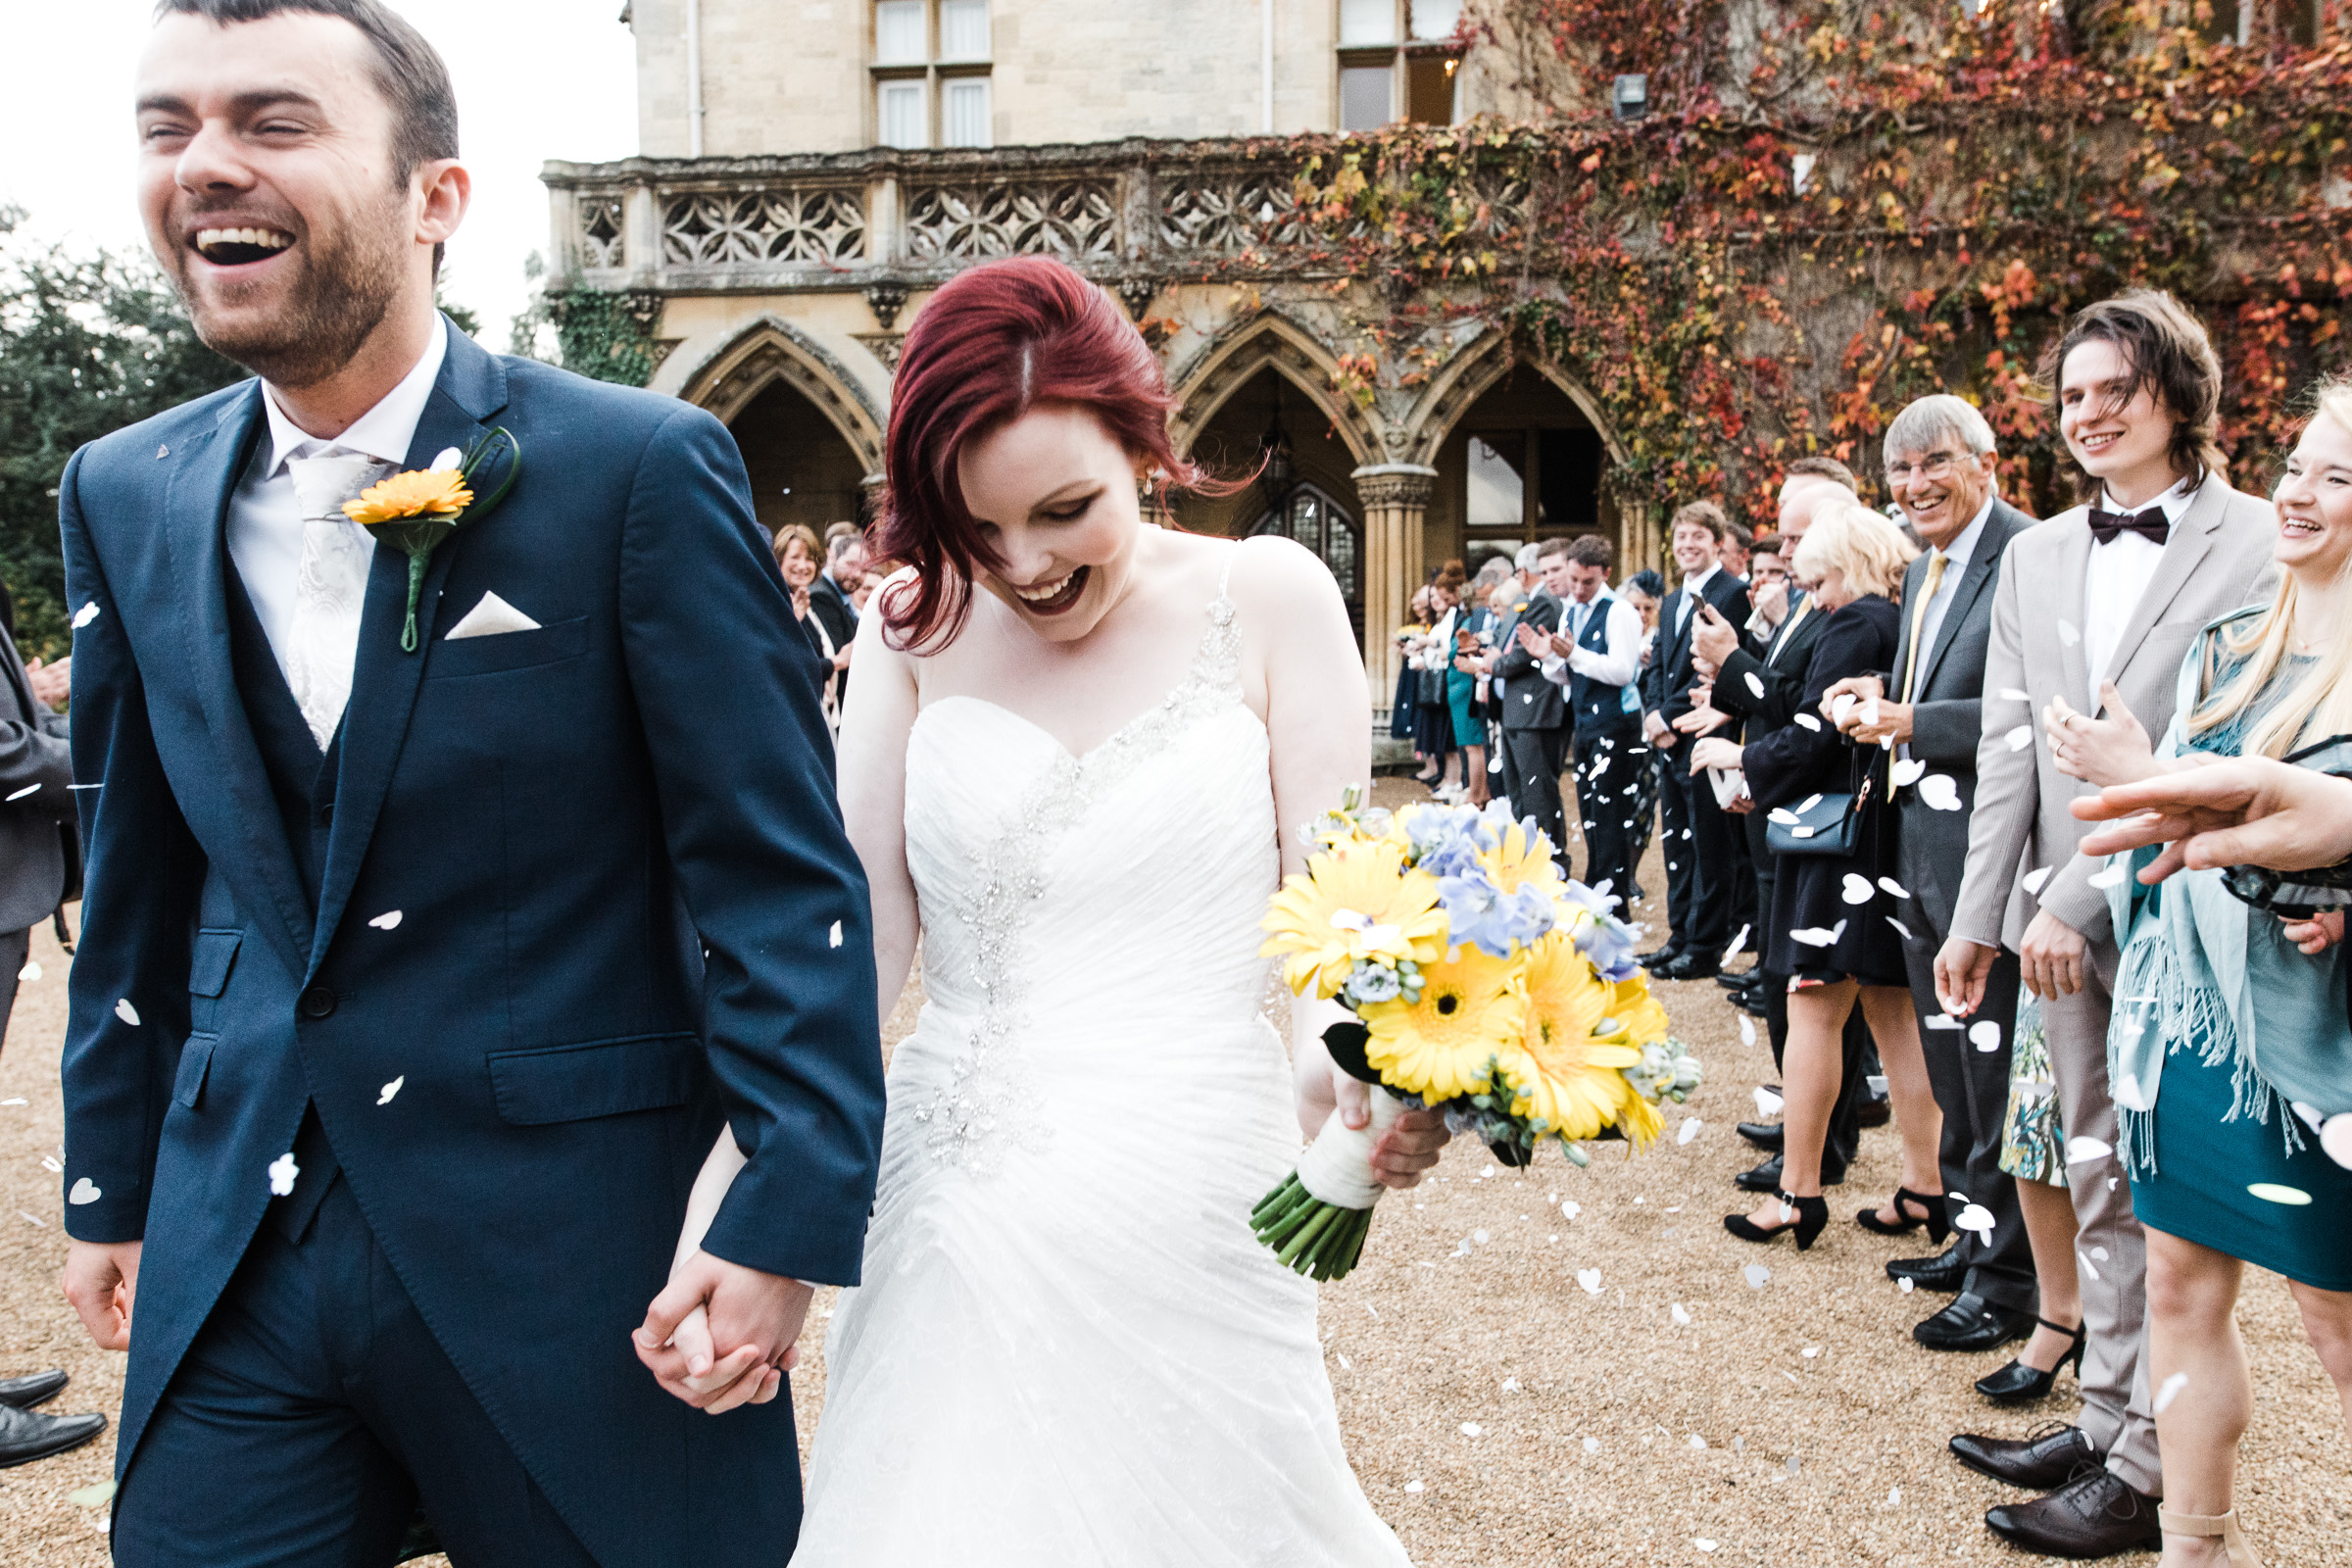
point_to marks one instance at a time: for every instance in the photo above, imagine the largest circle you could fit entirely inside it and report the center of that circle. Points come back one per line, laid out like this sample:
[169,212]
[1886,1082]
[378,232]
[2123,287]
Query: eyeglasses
[1936,465]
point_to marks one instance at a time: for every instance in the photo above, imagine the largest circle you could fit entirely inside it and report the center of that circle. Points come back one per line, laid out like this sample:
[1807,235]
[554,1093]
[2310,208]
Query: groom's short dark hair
[408,70]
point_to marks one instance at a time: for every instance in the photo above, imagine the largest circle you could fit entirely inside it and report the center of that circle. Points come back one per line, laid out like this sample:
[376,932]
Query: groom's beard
[340,294]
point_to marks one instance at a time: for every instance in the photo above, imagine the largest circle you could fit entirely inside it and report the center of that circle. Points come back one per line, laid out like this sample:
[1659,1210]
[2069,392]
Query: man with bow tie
[2095,606]
[418,976]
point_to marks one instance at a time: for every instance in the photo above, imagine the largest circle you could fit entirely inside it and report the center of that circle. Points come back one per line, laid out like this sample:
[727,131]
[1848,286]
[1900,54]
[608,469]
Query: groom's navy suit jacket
[628,914]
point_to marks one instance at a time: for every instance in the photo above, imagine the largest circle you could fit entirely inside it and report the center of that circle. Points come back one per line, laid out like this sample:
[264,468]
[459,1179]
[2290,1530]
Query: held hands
[2318,934]
[709,1303]
[2114,750]
[2246,811]
[1714,753]
[100,1281]
[1410,1145]
[1714,639]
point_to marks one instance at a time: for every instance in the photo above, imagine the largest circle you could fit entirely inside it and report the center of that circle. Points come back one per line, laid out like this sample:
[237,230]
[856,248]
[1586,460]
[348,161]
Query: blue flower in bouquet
[1477,912]
[1447,840]
[1370,983]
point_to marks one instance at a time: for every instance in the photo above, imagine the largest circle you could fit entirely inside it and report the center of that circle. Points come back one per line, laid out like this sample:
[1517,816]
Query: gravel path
[1513,1382]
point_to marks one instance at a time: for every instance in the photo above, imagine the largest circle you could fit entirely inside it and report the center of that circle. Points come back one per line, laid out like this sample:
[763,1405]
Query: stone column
[1394,497]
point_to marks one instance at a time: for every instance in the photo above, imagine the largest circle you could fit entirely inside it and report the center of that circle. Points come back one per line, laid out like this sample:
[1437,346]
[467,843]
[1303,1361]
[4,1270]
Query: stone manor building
[811,169]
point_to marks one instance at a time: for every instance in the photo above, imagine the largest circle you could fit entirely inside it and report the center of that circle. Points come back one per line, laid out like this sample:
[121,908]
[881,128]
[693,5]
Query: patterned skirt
[2033,1139]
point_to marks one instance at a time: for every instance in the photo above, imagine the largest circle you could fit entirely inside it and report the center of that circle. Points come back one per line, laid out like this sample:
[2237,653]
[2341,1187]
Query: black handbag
[1433,688]
[1823,824]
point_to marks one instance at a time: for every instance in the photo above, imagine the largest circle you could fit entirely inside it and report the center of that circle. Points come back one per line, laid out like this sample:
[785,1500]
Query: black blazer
[1802,760]
[1666,683]
[1528,700]
[1779,670]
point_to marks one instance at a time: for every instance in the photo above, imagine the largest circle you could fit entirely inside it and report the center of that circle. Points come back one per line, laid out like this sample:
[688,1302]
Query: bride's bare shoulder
[1273,579]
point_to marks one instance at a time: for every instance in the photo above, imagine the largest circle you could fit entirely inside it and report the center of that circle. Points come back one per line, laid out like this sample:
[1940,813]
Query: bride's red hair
[992,344]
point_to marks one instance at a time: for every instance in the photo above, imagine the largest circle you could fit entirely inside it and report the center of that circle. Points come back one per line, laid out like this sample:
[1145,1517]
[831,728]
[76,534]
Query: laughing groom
[421,973]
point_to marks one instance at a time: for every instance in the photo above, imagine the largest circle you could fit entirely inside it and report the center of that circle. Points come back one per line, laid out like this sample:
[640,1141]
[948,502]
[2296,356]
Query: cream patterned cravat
[330,586]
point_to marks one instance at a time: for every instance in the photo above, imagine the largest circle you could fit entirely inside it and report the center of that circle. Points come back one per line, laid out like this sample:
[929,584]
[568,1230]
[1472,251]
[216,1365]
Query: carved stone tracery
[1075,219]
[818,226]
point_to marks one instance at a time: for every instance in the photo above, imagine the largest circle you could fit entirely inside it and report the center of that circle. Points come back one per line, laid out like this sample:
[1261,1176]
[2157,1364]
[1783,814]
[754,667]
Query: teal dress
[2229,1049]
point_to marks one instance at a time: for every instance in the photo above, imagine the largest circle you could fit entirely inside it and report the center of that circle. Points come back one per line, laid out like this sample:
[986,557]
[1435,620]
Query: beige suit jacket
[2217,558]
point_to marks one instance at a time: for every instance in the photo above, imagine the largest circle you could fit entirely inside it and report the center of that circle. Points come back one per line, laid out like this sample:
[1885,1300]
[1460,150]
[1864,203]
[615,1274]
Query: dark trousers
[14,947]
[1853,1072]
[1532,761]
[311,1413]
[1699,863]
[1609,769]
[1762,863]
[1971,1090]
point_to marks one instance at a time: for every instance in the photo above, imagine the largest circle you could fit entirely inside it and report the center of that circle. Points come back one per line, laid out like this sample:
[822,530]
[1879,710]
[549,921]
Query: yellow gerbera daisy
[1357,899]
[1521,859]
[1560,1071]
[1471,1011]
[1635,1018]
[421,492]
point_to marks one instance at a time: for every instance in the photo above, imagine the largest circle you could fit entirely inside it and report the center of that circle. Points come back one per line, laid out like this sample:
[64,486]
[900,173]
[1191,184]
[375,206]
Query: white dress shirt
[2118,575]
[265,520]
[1692,585]
[1616,664]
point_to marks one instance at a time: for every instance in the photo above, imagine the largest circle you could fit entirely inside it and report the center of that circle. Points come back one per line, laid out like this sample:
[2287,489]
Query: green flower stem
[1308,1236]
[408,633]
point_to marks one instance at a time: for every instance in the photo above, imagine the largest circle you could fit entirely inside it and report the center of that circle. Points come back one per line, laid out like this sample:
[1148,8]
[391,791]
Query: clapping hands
[2114,750]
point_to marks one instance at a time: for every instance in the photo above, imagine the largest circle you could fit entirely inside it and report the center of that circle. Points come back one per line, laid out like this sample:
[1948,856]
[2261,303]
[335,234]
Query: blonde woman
[1839,951]
[2231,1051]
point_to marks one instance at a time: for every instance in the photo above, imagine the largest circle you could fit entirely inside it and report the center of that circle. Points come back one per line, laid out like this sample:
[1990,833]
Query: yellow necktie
[1790,630]
[1919,621]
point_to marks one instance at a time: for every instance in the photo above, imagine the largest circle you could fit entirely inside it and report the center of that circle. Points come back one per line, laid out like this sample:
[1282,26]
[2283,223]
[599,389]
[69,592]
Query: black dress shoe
[1663,956]
[1944,1273]
[27,1435]
[1970,1323]
[2045,1458]
[1733,979]
[27,1392]
[1688,966]
[1766,1178]
[2098,1514]
[1763,1134]
[1872,1111]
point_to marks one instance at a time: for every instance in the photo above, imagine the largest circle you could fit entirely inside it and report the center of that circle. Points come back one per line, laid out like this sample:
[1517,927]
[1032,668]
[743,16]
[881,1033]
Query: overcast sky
[536,79]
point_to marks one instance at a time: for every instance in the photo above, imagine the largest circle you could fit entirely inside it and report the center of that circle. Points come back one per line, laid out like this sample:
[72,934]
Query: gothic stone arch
[772,349]
[1264,341]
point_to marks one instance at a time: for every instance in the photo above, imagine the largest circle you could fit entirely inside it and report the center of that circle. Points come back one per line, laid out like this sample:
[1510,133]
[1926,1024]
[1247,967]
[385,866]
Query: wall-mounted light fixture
[1630,99]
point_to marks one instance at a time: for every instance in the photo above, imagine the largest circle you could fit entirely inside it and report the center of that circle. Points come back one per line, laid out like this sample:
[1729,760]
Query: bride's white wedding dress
[1068,1347]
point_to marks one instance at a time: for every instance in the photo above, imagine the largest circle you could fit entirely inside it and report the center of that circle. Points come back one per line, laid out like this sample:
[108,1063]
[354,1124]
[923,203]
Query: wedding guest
[829,598]
[1404,704]
[1734,551]
[1764,692]
[1532,713]
[2099,594]
[1835,957]
[1435,731]
[36,772]
[1596,654]
[1767,589]
[1645,590]
[1699,861]
[796,554]
[871,578]
[1466,684]
[2236,1013]
[2248,811]
[2034,1156]
[1930,704]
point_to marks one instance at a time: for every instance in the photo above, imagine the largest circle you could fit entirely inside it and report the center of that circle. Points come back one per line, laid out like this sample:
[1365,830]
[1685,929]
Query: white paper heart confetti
[85,614]
[1783,815]
[282,1171]
[1589,1279]
[1870,714]
[2169,1391]
[2010,694]
[2103,880]
[387,920]
[1943,1021]
[2310,1115]
[1901,929]
[1681,1315]
[1840,705]
[2034,879]
[1907,771]
[2019,738]
[1817,937]
[448,458]
[1809,722]
[29,789]
[1412,1485]
[1731,949]
[1756,1275]
[1906,1285]
[1697,1441]
[2082,1148]
[1756,683]
[85,1190]
[2279,1192]
[1939,793]
[30,972]
[126,1013]
[1768,1104]
[1689,1130]
[834,936]
[384,1098]
[1985,1035]
[1471,1429]
[2067,633]
[1857,888]
[1809,803]
[1747,1030]
[1570,1208]
[1974,1218]
[2336,1139]
[1591,1445]
[1894,888]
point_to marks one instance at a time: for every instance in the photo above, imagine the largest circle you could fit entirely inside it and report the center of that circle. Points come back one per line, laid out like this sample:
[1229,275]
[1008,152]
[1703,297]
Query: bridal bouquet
[1482,982]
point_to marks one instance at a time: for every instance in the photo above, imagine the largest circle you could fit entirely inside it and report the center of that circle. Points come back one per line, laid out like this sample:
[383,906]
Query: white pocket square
[489,618]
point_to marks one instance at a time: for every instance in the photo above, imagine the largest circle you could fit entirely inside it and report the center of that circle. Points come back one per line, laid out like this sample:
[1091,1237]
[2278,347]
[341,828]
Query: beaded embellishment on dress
[983,1106]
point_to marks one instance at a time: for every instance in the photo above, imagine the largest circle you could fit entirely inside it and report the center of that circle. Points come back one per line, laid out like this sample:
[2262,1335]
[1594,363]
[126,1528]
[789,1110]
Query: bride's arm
[871,771]
[1295,632]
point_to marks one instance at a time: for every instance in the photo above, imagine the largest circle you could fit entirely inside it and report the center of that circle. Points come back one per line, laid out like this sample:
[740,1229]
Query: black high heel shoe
[1938,1222]
[2020,1383]
[1811,1215]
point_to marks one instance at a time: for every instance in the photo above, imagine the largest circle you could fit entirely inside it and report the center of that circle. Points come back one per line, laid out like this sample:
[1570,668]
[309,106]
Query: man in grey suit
[1533,711]
[2109,595]
[1941,469]
[36,775]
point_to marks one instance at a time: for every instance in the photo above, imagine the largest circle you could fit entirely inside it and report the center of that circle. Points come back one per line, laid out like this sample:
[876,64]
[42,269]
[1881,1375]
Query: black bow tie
[2148,524]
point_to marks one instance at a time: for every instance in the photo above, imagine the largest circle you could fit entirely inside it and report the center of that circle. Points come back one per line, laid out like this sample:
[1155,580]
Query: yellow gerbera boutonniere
[415,511]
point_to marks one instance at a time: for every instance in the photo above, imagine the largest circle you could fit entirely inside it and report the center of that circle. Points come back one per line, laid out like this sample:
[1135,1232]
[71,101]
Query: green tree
[88,344]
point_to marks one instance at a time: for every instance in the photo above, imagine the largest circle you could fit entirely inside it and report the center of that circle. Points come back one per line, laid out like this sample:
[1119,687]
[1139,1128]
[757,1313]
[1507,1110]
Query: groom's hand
[100,1281]
[710,1303]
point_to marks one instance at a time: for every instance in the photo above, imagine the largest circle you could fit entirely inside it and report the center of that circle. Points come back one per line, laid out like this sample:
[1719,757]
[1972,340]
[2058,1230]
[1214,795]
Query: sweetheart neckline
[1056,741]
